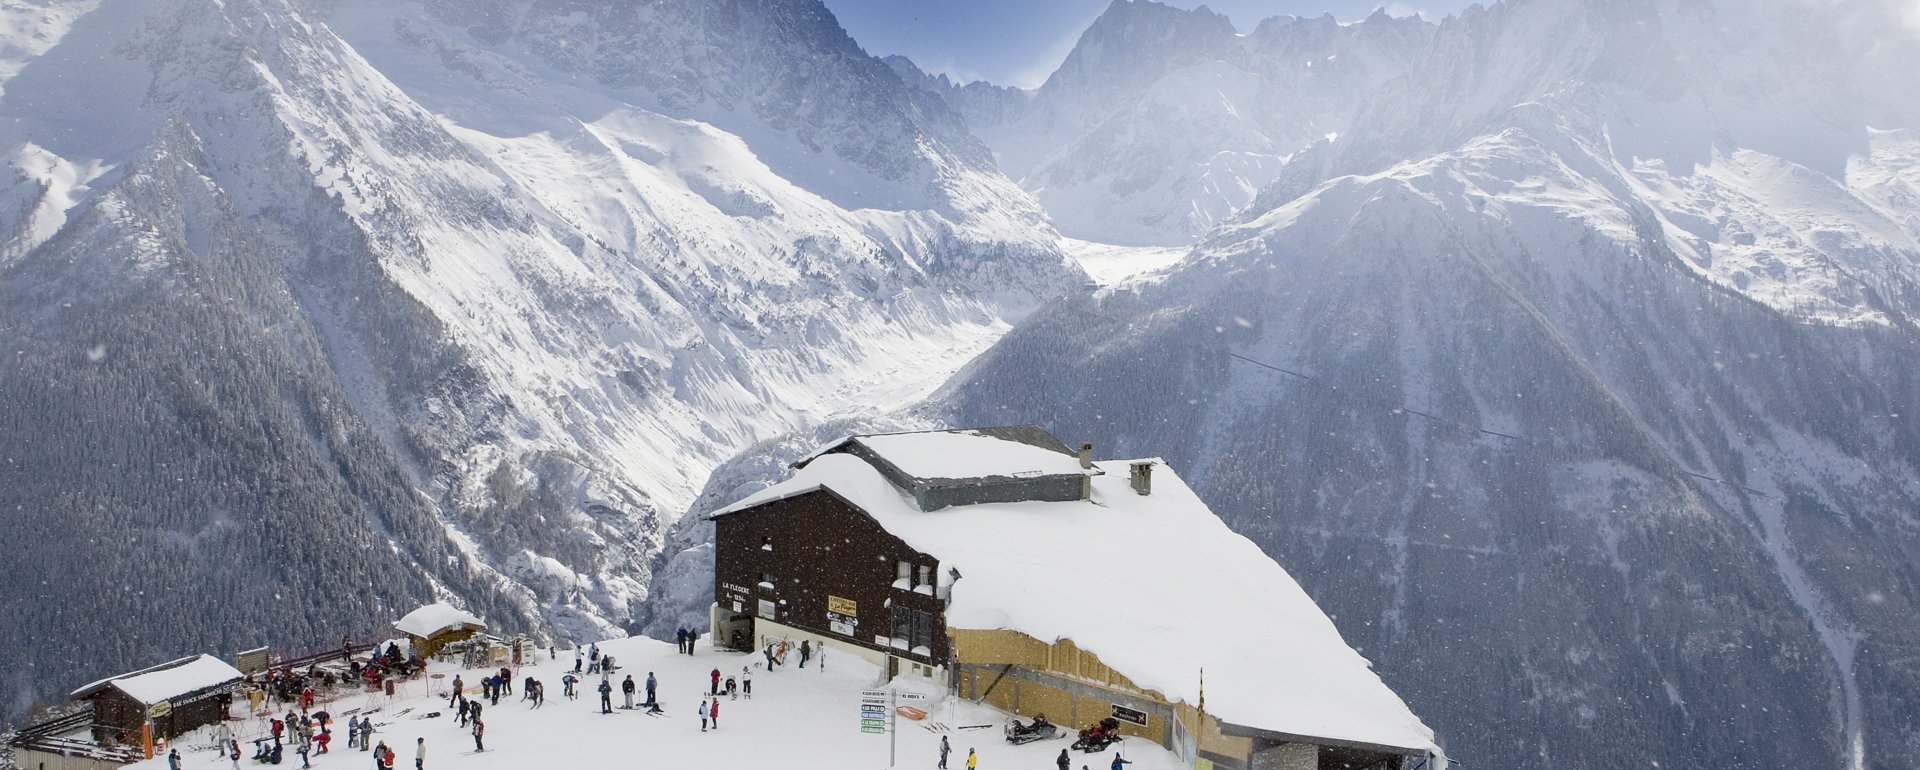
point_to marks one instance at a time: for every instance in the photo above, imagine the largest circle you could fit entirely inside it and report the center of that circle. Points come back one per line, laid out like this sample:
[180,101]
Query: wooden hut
[438,625]
[160,702]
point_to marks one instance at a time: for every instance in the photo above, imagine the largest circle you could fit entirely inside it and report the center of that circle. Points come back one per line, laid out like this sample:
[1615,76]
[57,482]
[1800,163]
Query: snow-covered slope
[537,277]
[1162,122]
[1574,378]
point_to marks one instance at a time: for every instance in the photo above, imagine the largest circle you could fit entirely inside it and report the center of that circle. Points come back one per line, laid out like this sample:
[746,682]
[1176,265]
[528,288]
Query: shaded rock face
[1584,409]
[320,311]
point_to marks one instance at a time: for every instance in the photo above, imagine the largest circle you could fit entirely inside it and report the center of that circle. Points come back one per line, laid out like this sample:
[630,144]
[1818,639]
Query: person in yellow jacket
[973,760]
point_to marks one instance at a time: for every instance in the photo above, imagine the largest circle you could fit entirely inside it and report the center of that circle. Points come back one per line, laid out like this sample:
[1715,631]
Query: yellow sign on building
[839,606]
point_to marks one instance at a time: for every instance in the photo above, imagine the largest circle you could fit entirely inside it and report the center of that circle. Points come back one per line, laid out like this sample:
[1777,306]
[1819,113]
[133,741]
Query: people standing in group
[593,659]
[578,658]
[626,691]
[716,683]
[703,713]
[714,711]
[479,729]
[386,757]
[606,696]
[650,685]
[944,750]
[746,683]
[380,755]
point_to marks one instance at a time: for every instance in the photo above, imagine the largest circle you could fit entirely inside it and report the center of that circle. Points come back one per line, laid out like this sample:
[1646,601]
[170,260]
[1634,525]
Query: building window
[912,630]
[767,580]
[926,576]
[905,572]
[766,543]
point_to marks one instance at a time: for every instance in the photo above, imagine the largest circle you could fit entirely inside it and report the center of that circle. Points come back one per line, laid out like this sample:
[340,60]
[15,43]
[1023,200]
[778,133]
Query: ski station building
[1031,577]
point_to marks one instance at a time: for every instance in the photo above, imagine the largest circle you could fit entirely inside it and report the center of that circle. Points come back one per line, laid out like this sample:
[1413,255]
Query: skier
[746,682]
[680,638]
[386,757]
[566,686]
[380,755]
[420,754]
[457,684]
[526,691]
[1118,763]
[805,652]
[715,712]
[626,690]
[1064,762]
[498,685]
[325,737]
[539,691]
[234,753]
[606,697]
[650,686]
[944,749]
[703,714]
[473,713]
[303,747]
[479,729]
[973,760]
[463,712]
[716,682]
[577,658]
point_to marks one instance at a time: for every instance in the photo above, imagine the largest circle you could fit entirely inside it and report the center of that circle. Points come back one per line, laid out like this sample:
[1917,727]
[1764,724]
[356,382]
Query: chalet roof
[168,680]
[436,618]
[1020,451]
[1195,595]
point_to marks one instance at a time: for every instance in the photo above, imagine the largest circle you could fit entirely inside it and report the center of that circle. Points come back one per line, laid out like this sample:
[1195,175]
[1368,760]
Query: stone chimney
[1143,478]
[1086,464]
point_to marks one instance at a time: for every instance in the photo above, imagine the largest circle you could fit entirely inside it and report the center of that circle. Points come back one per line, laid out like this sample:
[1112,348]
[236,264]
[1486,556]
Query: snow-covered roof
[969,454]
[168,681]
[435,618]
[1155,585]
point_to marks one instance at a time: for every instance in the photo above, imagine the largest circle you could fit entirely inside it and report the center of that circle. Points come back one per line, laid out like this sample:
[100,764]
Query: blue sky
[1020,42]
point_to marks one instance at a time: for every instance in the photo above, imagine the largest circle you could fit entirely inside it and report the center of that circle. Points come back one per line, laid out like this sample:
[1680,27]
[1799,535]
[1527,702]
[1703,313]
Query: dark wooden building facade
[175,697]
[816,563]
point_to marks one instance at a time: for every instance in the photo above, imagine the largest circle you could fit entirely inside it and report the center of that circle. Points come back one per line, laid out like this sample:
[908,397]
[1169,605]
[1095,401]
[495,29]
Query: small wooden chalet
[438,625]
[161,702]
[1034,578]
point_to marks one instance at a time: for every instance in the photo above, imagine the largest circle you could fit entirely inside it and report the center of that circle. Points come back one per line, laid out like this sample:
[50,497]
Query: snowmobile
[1040,730]
[1099,737]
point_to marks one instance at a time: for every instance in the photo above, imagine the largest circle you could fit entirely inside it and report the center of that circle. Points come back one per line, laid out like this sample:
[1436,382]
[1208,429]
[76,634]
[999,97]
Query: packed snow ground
[798,718]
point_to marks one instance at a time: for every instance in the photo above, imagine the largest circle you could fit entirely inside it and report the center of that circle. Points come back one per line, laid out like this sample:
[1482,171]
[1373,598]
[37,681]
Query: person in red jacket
[714,711]
[716,683]
[479,729]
